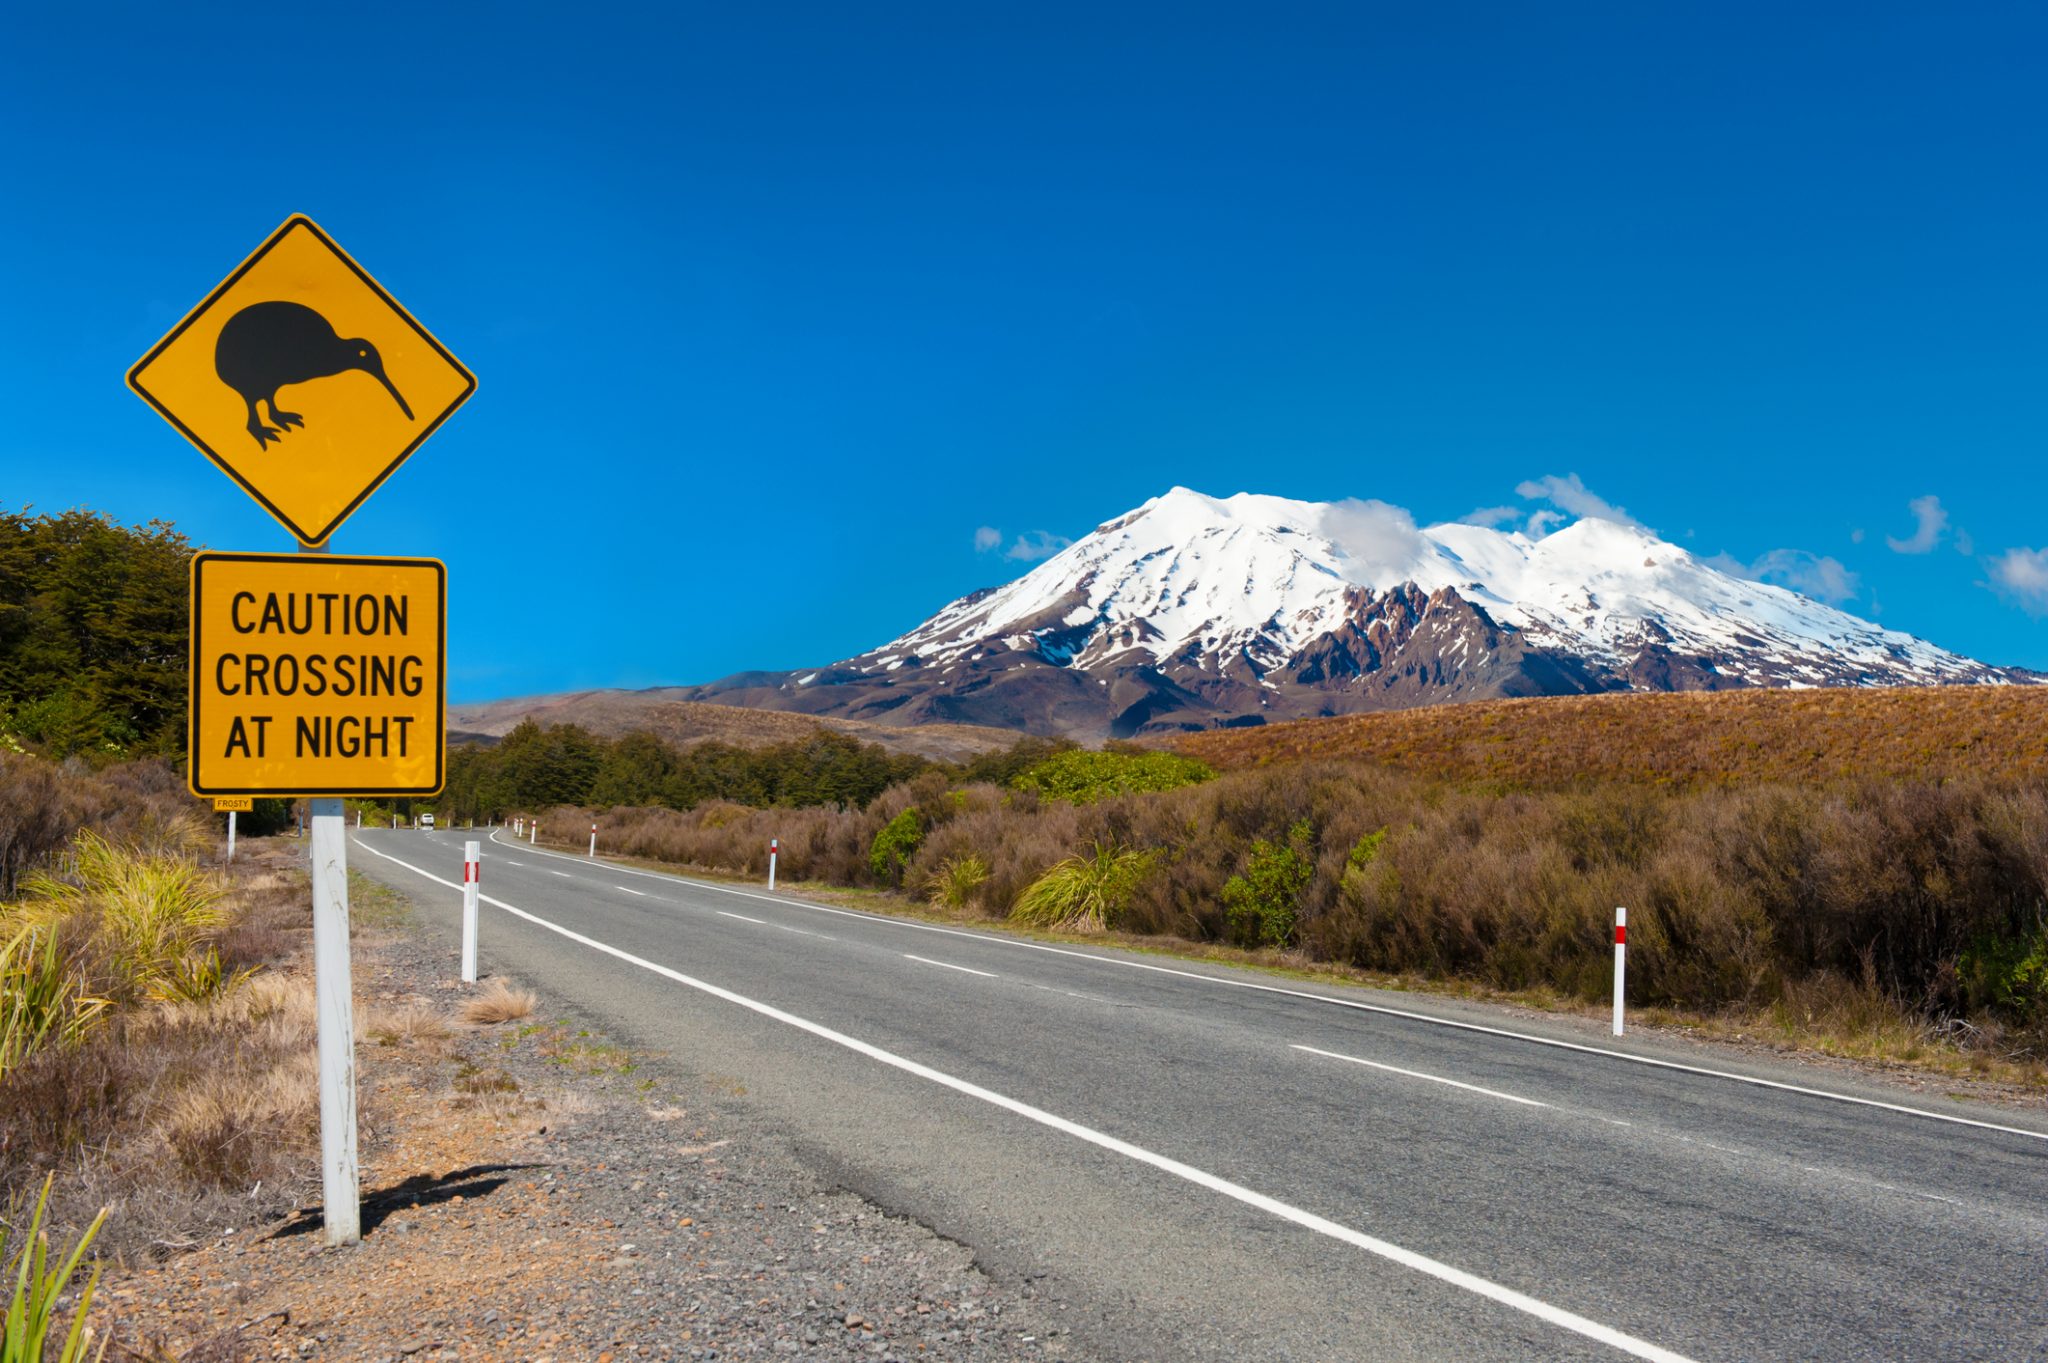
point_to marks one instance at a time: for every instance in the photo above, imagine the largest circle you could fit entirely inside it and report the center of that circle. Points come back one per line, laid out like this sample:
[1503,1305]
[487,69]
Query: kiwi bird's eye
[363,354]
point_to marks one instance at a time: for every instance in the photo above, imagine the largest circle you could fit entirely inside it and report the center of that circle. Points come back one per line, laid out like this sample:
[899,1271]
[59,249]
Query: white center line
[563,874]
[742,917]
[1418,1074]
[922,960]
[624,890]
[1585,1326]
[515,863]
[801,932]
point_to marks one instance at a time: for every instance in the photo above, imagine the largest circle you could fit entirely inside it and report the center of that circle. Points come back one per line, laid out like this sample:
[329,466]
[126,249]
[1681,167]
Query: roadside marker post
[472,885]
[312,677]
[1620,962]
[232,805]
[774,847]
[533,833]
[593,842]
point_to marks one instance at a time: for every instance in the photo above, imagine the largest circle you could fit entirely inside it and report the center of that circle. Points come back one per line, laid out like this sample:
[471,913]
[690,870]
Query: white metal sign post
[231,835]
[334,1005]
[472,884]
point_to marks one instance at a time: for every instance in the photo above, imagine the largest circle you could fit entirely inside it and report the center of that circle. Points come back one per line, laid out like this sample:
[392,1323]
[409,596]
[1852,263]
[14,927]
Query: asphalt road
[1213,1164]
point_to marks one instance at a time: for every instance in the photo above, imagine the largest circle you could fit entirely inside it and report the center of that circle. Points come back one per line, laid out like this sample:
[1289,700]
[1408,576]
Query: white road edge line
[742,917]
[943,965]
[1434,1079]
[1361,1006]
[1384,1249]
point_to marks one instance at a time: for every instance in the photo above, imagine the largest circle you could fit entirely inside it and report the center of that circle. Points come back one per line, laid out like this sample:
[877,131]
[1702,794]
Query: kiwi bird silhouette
[268,345]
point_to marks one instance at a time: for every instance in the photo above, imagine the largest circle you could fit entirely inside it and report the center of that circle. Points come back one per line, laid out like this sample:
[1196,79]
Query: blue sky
[774,308]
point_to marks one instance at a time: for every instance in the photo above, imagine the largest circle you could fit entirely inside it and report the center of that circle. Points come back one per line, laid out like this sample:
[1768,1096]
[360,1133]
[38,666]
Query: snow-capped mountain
[1194,611]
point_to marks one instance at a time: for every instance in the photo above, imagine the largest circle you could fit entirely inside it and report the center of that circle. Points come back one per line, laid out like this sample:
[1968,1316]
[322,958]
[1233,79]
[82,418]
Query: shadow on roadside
[421,1190]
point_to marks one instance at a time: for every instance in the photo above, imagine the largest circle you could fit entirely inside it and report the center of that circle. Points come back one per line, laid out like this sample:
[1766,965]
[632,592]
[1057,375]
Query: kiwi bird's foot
[283,418]
[264,434]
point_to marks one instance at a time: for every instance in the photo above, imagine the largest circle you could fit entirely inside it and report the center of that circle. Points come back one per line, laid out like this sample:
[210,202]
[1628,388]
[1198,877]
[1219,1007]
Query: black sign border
[220,462]
[205,556]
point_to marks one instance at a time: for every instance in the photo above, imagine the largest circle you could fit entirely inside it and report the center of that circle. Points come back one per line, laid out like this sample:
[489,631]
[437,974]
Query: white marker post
[533,833]
[774,847]
[472,885]
[359,819]
[231,835]
[1620,962]
[593,842]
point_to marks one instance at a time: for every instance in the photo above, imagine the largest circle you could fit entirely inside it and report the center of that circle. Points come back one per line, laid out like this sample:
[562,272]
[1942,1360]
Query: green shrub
[1089,891]
[894,845]
[1366,850]
[2010,976]
[1084,777]
[268,817]
[1261,904]
[957,881]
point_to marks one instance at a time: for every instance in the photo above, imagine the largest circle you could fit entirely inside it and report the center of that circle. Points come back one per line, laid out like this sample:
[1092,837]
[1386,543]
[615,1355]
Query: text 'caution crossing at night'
[317,674]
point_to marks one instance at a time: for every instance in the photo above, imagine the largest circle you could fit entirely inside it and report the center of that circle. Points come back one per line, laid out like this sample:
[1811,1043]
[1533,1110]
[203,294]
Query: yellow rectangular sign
[317,674]
[235,804]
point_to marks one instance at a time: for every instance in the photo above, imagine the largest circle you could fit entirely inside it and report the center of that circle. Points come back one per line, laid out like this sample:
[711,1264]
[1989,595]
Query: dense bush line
[92,636]
[535,766]
[1935,894]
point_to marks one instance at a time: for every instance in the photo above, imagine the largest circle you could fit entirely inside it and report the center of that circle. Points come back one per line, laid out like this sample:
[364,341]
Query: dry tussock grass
[499,1002]
[414,1024]
[1691,738]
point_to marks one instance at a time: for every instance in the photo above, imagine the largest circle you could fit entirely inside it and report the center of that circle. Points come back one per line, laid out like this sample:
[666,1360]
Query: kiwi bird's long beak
[394,396]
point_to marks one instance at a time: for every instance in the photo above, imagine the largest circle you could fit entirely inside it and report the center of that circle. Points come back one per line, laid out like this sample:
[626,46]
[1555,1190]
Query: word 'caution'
[315,674]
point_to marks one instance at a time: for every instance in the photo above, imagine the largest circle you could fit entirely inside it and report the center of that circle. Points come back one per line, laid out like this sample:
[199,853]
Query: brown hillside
[683,723]
[1691,738]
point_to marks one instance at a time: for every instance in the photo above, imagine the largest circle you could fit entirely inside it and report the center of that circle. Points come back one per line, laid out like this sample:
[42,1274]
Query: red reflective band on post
[471,873]
[1620,935]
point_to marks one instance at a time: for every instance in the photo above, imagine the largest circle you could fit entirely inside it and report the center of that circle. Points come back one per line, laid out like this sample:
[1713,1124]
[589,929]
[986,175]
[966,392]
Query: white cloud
[987,538]
[2021,575]
[1932,524]
[1035,546]
[1381,539]
[1571,495]
[1809,574]
[1491,516]
[1540,523]
[1814,575]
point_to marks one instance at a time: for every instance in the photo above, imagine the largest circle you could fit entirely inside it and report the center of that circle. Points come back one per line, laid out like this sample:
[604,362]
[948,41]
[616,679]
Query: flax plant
[25,1334]
[154,911]
[42,1001]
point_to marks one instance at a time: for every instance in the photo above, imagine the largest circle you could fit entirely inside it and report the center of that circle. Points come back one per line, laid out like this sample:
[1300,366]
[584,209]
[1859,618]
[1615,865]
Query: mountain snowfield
[1210,579]
[1194,611]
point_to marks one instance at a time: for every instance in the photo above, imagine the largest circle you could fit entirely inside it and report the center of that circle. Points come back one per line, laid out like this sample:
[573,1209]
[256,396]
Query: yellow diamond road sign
[315,674]
[303,380]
